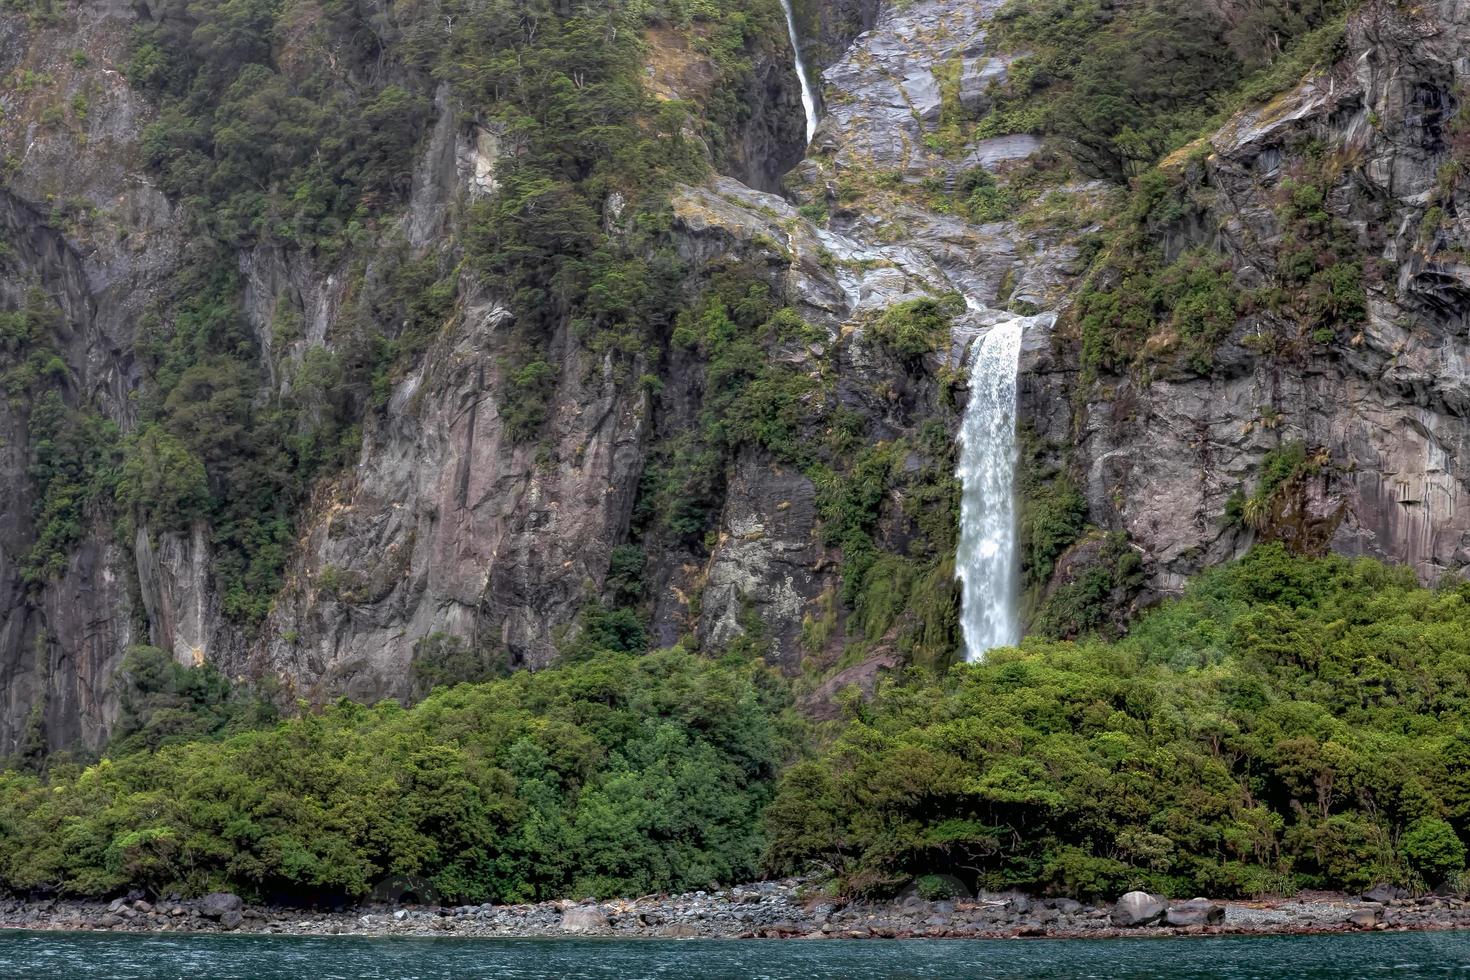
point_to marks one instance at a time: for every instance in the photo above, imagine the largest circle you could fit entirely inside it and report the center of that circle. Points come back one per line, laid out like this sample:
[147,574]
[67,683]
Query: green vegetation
[910,599]
[1277,509]
[753,401]
[1053,510]
[263,128]
[1290,723]
[1095,592]
[72,452]
[164,703]
[748,399]
[916,327]
[1143,306]
[209,448]
[1124,83]
[1318,285]
[442,660]
[981,198]
[1138,306]
[618,776]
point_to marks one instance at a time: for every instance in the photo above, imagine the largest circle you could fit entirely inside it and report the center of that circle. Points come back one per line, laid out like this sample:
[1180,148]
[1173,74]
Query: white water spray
[987,563]
[808,95]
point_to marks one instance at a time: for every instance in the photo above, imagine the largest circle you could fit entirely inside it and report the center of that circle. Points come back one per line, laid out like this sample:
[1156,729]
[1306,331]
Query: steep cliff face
[86,233]
[1376,399]
[819,534]
[443,525]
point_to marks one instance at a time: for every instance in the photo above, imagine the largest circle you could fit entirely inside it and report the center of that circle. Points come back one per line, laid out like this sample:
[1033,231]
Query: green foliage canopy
[1289,723]
[617,775]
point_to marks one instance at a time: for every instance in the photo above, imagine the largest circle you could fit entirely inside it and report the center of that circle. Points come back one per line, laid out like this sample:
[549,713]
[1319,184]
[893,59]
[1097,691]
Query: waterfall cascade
[808,94]
[987,563]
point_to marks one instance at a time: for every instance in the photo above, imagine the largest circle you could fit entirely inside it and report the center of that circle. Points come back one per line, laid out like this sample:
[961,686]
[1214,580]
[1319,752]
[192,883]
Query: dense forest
[1294,720]
[1289,723]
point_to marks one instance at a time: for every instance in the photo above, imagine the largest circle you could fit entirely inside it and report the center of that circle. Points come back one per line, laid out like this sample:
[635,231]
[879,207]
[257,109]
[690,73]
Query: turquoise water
[62,956]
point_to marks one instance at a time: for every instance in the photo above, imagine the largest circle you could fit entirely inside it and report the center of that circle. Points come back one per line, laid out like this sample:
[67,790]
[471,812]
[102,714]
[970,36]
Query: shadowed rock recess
[333,440]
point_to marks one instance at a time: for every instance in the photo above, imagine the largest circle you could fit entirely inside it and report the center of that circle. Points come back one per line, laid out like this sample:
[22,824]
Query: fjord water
[808,94]
[986,562]
[73,956]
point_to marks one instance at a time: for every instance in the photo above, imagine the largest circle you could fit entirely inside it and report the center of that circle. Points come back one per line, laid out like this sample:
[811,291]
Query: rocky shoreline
[773,909]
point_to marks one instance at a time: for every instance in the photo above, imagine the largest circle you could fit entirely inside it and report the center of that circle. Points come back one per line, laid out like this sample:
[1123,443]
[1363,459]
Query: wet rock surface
[766,910]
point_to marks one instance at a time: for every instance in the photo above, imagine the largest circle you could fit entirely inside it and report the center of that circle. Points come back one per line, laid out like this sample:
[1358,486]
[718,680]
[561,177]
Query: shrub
[916,327]
[1432,848]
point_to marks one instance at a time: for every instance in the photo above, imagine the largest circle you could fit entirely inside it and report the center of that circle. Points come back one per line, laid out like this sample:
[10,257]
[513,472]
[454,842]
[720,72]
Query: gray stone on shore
[1139,909]
[584,919]
[1364,918]
[216,904]
[1195,914]
[1383,894]
[783,910]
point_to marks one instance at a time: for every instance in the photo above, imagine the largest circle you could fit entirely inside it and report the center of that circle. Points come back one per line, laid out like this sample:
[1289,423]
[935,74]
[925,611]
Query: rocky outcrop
[95,237]
[173,584]
[765,566]
[584,919]
[1139,909]
[1195,913]
[216,905]
[445,525]
[1384,403]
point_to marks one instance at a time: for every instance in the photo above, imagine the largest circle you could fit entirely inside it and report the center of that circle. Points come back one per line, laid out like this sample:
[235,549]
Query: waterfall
[808,95]
[987,563]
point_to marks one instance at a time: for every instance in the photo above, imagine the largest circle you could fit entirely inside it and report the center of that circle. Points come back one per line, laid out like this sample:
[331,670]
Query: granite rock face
[443,525]
[1385,406]
[81,226]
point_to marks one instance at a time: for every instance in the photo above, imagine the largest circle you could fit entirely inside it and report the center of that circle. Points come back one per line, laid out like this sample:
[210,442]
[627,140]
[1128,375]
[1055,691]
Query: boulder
[230,920]
[216,904]
[1139,909]
[1195,914]
[584,919]
[1383,894]
[1364,918]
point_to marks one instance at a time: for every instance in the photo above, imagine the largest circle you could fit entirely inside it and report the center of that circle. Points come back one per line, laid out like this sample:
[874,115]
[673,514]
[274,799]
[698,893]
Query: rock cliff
[1378,398]
[444,525]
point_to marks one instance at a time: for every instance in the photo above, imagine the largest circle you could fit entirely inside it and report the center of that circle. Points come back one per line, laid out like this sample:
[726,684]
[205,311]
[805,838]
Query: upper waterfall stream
[987,562]
[808,94]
